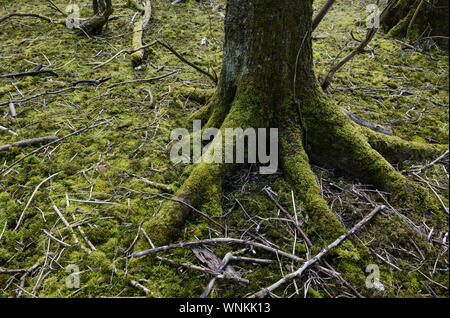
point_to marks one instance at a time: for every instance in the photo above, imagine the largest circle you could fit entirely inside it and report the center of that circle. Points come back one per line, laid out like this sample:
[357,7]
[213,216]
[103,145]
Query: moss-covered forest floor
[98,190]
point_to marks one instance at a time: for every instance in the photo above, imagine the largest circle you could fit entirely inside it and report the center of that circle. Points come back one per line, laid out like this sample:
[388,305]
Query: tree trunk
[267,80]
[414,18]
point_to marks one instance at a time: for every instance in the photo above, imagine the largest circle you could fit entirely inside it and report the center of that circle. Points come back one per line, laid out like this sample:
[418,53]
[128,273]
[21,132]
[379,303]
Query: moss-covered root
[203,113]
[138,32]
[395,149]
[337,142]
[298,173]
[202,190]
[203,187]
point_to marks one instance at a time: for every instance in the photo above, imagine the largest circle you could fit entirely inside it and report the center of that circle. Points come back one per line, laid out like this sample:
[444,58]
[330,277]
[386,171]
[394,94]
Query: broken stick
[264,292]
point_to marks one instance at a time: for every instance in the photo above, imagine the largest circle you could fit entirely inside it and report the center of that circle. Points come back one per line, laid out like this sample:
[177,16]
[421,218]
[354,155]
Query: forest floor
[119,137]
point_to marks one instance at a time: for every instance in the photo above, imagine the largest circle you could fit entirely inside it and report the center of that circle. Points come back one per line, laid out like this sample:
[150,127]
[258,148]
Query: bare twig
[264,292]
[322,13]
[28,142]
[370,35]
[212,241]
[213,77]
[31,198]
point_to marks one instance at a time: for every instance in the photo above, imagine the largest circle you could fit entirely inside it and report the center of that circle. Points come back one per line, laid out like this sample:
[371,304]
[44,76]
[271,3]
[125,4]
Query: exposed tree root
[312,128]
[297,170]
[333,140]
[395,149]
[202,190]
[337,142]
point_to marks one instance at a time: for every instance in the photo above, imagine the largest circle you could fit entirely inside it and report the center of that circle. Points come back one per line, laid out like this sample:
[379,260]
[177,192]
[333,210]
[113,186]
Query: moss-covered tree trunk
[413,18]
[267,80]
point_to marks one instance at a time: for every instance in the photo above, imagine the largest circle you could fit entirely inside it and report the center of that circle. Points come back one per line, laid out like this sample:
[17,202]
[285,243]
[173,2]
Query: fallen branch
[92,82]
[32,73]
[74,235]
[28,142]
[138,32]
[433,162]
[221,268]
[56,239]
[142,80]
[205,270]
[363,122]
[33,15]
[297,274]
[44,146]
[161,186]
[8,130]
[229,257]
[322,13]
[213,77]
[122,52]
[212,241]
[31,198]
[140,286]
[289,216]
[12,111]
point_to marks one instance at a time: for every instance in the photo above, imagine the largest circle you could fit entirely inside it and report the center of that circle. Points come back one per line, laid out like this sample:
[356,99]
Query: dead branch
[33,15]
[140,286]
[2,172]
[8,130]
[221,268]
[12,111]
[370,35]
[212,241]
[161,186]
[363,122]
[213,77]
[322,13]
[32,73]
[264,292]
[122,52]
[433,162]
[56,239]
[28,142]
[142,80]
[92,82]
[289,216]
[31,198]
